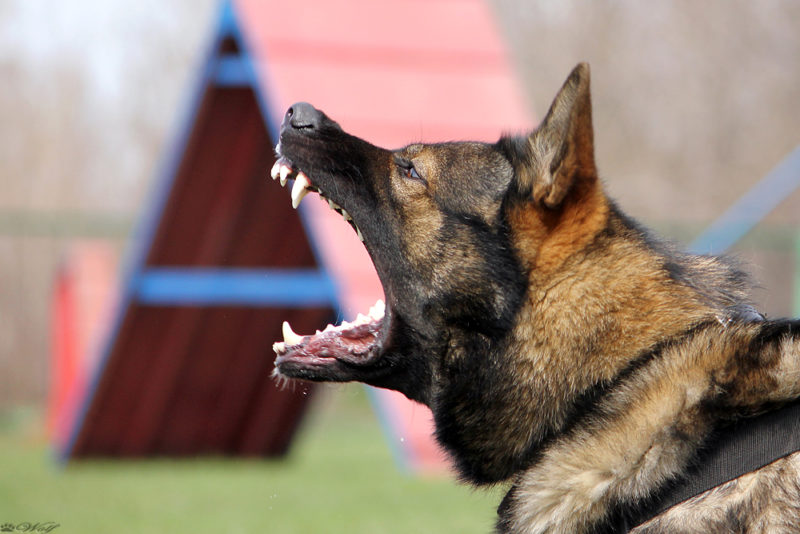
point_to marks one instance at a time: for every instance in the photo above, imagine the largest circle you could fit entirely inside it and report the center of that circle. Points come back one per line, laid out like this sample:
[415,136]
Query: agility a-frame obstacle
[222,259]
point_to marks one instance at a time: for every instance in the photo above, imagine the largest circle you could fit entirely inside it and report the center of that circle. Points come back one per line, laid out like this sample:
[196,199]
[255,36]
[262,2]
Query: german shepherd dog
[562,349]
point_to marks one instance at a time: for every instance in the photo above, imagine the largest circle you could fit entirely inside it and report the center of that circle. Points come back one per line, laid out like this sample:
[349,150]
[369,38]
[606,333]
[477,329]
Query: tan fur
[581,473]
[609,298]
[546,238]
[617,291]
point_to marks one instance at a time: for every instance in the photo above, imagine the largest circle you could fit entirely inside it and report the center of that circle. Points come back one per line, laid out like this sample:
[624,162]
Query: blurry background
[88,93]
[693,103]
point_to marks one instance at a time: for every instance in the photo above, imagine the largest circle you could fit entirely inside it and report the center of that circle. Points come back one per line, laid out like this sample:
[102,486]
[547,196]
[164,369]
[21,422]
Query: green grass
[339,477]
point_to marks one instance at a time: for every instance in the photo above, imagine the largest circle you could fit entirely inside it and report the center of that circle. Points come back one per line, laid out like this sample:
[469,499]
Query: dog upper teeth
[300,189]
[285,171]
[302,186]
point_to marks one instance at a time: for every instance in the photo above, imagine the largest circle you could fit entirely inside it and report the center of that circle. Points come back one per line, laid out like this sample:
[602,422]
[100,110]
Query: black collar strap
[744,446]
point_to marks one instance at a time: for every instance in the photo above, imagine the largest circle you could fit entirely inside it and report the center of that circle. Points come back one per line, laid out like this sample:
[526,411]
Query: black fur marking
[772,333]
[517,150]
[402,367]
[588,402]
[503,524]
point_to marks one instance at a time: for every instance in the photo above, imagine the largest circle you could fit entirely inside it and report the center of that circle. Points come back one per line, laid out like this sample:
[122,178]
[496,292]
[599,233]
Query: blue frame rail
[291,288]
[749,210]
[234,70]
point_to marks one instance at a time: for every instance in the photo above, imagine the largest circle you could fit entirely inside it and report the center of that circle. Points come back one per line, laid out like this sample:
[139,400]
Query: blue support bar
[298,288]
[234,71]
[751,208]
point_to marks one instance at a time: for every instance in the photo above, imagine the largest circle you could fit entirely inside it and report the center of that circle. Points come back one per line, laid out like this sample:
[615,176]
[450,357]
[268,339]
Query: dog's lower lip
[352,343]
[324,349]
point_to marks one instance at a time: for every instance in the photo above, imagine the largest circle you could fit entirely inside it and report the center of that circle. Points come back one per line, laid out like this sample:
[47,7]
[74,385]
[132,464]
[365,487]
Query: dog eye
[407,170]
[411,173]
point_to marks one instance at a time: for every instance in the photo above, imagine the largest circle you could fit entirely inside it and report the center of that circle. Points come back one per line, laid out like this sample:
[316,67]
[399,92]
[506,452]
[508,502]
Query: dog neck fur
[593,283]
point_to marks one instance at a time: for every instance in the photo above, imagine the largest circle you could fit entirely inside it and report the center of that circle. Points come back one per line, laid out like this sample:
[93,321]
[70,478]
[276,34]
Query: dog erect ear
[561,150]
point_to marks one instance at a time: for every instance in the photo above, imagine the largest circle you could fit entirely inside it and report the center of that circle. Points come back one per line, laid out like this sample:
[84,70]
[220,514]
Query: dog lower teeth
[290,338]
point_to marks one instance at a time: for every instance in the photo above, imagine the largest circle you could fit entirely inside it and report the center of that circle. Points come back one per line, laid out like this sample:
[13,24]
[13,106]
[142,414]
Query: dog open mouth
[349,344]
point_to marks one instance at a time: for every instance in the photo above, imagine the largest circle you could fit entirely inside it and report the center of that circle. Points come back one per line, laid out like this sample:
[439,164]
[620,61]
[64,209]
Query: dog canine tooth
[300,189]
[346,216]
[289,337]
[360,235]
[276,169]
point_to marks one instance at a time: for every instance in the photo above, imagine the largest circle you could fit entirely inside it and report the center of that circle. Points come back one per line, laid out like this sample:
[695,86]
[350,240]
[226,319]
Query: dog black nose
[303,115]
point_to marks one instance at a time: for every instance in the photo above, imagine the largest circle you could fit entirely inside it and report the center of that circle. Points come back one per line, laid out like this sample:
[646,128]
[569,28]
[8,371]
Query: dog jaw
[321,356]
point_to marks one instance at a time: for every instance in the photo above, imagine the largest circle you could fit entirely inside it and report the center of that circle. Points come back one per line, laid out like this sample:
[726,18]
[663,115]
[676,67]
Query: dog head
[455,231]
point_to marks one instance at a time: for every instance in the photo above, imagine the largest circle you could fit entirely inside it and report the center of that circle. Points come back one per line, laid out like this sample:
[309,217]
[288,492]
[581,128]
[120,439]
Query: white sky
[102,36]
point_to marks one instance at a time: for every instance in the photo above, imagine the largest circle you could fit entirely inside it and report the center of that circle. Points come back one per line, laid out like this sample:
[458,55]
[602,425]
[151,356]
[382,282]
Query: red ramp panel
[392,72]
[80,312]
[220,260]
